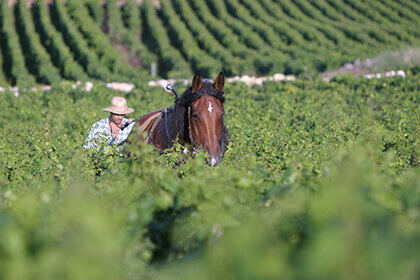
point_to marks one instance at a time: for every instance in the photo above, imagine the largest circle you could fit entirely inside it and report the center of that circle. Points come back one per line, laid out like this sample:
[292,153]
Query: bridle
[165,112]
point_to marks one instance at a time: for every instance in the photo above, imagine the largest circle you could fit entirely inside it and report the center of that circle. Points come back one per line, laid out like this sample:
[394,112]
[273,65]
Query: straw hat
[119,106]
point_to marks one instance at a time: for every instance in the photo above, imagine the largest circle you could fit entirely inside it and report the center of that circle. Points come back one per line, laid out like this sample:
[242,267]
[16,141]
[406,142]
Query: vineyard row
[83,40]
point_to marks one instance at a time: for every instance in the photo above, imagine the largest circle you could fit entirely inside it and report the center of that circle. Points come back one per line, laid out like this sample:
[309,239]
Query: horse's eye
[195,116]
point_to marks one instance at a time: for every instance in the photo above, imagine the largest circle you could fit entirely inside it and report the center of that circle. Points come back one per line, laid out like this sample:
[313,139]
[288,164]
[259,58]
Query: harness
[156,120]
[146,124]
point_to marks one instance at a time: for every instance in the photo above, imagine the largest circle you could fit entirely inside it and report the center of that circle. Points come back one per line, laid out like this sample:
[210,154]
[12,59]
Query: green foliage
[2,76]
[171,61]
[131,17]
[200,60]
[122,36]
[321,181]
[231,65]
[74,39]
[96,10]
[266,31]
[222,34]
[61,55]
[107,55]
[38,60]
[14,62]
[119,40]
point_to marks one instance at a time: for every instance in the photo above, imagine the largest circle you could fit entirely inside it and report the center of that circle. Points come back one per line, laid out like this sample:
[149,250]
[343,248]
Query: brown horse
[195,120]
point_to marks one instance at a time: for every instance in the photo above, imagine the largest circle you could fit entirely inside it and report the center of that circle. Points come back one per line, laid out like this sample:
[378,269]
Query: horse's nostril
[213,161]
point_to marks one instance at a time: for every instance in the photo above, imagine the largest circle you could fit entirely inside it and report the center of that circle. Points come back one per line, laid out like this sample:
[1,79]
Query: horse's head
[195,118]
[207,129]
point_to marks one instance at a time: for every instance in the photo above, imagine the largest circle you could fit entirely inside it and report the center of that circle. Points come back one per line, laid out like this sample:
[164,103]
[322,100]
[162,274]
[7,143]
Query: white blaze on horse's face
[210,107]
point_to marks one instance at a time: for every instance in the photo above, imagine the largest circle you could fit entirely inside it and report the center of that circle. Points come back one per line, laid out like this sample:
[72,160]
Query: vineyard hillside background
[47,41]
[321,177]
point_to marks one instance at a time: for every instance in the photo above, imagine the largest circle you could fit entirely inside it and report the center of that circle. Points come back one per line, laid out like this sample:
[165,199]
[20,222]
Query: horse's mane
[177,117]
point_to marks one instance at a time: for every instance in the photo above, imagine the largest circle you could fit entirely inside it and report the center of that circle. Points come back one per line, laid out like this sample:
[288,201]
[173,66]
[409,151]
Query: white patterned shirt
[101,132]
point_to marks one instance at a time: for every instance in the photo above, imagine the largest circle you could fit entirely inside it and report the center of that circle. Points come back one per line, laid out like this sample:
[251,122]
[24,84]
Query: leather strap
[157,120]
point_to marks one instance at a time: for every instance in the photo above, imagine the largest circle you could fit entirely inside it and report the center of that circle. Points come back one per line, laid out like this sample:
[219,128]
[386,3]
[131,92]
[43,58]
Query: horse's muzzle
[214,160]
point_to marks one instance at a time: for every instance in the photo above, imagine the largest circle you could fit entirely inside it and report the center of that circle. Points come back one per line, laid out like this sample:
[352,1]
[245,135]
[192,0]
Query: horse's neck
[165,126]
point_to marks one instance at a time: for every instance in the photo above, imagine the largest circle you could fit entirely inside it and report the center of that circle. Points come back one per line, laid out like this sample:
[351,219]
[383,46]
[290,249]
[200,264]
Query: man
[110,128]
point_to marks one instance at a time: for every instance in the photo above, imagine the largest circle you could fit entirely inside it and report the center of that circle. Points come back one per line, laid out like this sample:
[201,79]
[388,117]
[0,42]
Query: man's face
[116,118]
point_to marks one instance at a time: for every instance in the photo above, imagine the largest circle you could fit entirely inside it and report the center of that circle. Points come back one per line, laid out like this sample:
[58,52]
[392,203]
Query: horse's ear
[219,83]
[197,83]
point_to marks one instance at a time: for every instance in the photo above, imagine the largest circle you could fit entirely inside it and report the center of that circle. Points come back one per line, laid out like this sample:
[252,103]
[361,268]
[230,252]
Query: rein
[130,122]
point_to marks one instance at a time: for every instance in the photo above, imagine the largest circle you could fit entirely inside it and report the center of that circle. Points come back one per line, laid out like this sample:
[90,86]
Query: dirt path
[385,64]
